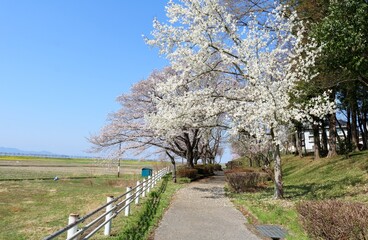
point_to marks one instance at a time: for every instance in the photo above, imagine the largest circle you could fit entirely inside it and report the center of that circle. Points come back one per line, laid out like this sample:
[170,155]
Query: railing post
[137,192]
[127,201]
[144,187]
[154,179]
[72,219]
[108,208]
[148,184]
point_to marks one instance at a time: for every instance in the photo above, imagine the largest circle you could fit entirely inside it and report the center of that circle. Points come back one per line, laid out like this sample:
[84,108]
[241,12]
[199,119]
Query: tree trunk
[190,159]
[332,133]
[348,126]
[294,140]
[279,191]
[342,130]
[174,165]
[354,129]
[324,139]
[365,130]
[287,148]
[361,127]
[299,144]
[191,148]
[316,144]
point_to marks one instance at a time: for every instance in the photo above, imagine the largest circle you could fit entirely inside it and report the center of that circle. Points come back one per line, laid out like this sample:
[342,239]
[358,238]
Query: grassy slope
[306,179]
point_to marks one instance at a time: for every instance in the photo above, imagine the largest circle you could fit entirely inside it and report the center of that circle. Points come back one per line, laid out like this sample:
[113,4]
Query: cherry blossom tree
[126,127]
[255,150]
[249,70]
[128,132]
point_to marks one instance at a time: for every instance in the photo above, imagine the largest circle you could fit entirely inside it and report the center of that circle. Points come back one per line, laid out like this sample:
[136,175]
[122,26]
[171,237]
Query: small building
[308,136]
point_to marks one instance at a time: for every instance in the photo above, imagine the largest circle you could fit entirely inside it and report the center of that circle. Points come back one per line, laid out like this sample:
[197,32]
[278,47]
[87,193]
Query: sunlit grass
[35,159]
[33,209]
[306,179]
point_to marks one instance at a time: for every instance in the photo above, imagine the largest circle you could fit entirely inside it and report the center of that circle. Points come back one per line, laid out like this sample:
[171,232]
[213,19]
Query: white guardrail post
[144,187]
[72,219]
[137,192]
[153,180]
[108,216]
[149,184]
[127,201]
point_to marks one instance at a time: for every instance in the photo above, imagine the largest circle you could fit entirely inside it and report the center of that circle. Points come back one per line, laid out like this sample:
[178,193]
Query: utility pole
[119,160]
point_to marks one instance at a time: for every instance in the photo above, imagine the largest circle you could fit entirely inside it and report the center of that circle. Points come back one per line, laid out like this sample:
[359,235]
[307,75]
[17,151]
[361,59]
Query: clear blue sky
[63,63]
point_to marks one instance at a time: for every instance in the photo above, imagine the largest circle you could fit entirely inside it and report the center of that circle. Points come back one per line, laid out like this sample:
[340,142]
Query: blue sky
[63,63]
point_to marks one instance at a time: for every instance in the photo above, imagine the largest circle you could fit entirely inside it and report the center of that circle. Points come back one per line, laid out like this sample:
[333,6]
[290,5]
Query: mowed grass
[25,159]
[33,209]
[307,179]
[24,167]
[44,160]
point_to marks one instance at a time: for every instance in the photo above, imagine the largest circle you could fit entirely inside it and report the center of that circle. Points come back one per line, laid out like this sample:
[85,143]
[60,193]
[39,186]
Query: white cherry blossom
[245,73]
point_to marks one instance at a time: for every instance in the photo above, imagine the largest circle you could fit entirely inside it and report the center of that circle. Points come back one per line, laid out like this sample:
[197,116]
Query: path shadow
[213,192]
[327,190]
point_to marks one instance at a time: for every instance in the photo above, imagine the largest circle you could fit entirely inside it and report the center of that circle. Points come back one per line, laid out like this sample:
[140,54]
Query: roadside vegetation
[146,216]
[33,209]
[308,182]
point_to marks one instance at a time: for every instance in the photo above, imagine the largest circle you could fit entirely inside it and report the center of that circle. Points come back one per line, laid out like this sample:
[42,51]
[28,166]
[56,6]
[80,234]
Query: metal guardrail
[113,207]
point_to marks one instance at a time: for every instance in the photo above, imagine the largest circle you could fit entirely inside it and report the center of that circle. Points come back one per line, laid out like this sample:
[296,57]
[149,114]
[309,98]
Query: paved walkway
[200,212]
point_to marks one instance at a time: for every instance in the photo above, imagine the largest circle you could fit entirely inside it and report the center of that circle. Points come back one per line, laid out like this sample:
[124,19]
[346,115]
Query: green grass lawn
[306,179]
[22,167]
[33,209]
[30,159]
[26,159]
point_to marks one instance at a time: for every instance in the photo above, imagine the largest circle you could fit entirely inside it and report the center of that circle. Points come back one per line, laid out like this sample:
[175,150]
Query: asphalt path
[201,211]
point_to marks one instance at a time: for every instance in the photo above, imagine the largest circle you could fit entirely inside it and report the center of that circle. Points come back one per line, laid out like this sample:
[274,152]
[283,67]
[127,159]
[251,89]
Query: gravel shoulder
[202,211]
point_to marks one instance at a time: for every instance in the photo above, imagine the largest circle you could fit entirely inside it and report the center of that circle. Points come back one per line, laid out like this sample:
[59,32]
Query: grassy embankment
[32,209]
[306,179]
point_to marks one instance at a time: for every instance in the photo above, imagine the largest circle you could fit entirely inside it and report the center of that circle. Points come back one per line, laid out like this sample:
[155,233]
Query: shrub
[244,181]
[204,169]
[217,167]
[334,219]
[185,172]
[238,170]
[234,164]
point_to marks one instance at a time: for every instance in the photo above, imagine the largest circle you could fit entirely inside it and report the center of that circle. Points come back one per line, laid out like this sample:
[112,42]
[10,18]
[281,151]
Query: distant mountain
[18,151]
